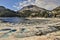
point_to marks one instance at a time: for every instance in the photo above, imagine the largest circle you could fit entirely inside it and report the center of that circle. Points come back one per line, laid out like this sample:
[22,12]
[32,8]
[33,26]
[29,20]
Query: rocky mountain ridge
[30,11]
[35,11]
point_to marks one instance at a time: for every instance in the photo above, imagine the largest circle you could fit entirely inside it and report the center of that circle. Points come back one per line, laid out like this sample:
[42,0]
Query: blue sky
[8,3]
[18,4]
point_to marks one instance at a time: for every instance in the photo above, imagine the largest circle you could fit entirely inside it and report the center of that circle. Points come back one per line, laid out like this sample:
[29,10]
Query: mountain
[4,12]
[57,8]
[30,11]
[33,11]
[2,8]
[56,12]
[32,8]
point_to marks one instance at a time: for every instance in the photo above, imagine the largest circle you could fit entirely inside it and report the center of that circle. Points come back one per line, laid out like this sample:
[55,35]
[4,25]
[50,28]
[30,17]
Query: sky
[18,4]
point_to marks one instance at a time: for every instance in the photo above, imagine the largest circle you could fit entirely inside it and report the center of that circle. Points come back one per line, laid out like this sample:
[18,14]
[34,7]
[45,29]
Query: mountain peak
[32,8]
[2,8]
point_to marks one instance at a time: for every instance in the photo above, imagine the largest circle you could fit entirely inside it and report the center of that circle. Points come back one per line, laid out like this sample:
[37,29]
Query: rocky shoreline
[30,28]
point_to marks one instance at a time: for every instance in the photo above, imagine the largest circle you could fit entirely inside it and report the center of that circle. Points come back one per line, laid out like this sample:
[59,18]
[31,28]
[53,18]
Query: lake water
[11,19]
[23,20]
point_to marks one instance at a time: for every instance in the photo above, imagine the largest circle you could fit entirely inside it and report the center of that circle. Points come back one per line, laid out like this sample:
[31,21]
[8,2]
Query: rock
[24,30]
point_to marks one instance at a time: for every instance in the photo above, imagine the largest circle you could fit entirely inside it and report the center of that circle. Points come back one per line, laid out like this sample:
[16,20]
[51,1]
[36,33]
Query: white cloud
[47,4]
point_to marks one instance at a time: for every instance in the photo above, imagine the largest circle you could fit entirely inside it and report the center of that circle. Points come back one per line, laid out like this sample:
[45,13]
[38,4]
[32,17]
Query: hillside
[4,12]
[30,11]
[33,11]
[56,12]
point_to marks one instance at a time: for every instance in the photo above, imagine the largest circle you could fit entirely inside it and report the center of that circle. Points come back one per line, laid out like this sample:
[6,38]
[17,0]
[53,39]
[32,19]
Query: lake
[24,20]
[11,19]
